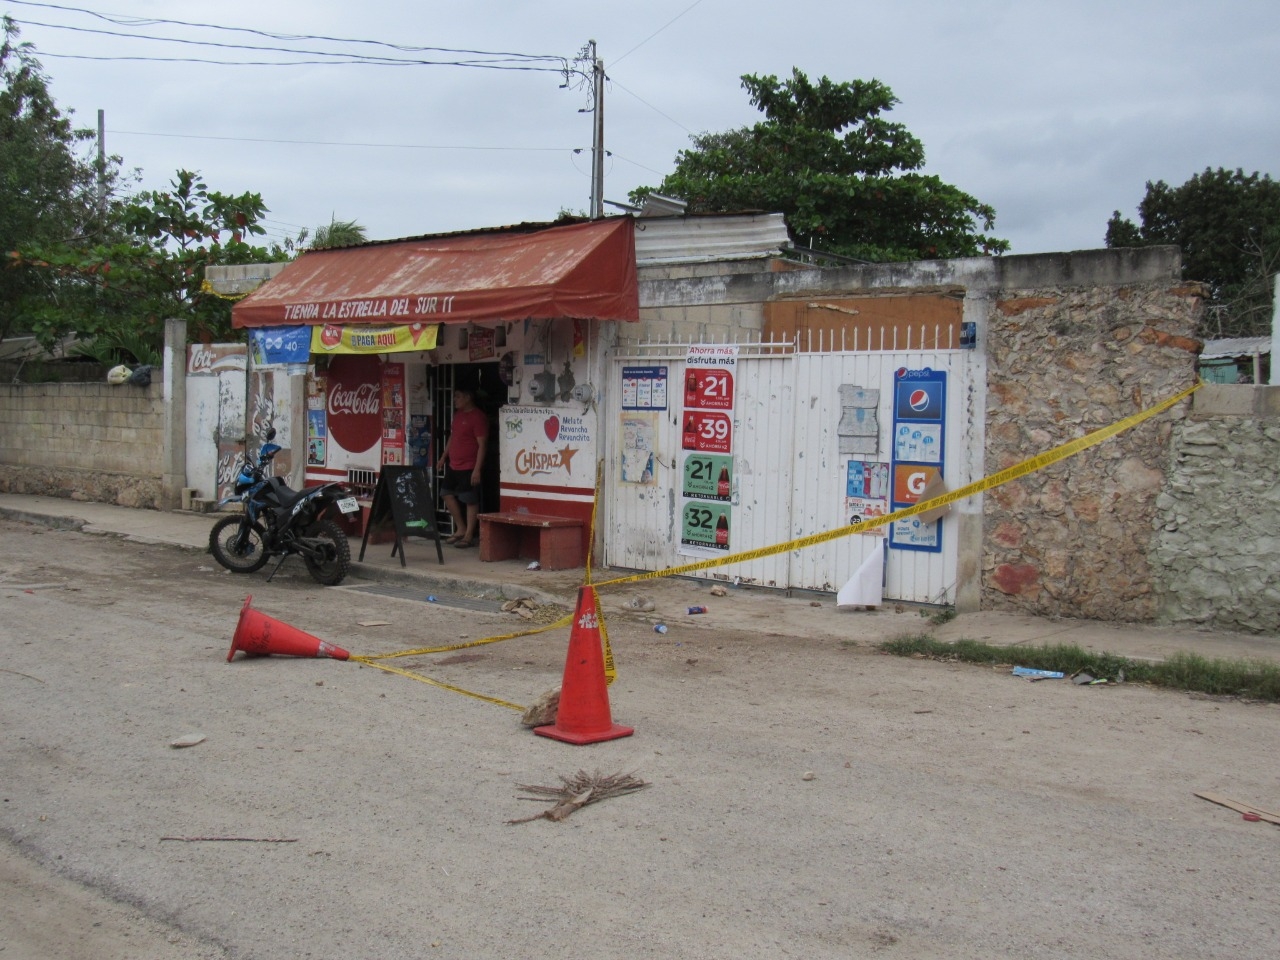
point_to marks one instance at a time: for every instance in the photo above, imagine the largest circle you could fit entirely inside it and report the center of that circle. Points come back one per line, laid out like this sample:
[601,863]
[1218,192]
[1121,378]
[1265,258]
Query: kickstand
[279,564]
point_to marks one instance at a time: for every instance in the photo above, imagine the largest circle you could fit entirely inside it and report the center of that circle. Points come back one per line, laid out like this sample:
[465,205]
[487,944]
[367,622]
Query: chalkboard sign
[404,497]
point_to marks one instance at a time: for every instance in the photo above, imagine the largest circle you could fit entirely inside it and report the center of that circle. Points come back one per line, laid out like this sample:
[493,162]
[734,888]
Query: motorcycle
[280,521]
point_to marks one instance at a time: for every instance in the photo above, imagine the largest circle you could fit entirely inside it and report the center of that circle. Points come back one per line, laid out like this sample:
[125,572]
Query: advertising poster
[316,438]
[708,477]
[547,447]
[867,493]
[394,432]
[644,388]
[919,433]
[481,344]
[706,441]
[638,432]
[420,441]
[275,346]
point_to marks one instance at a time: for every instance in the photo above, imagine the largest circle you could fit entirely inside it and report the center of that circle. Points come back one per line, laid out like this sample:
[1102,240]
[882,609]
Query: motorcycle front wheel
[330,556]
[240,551]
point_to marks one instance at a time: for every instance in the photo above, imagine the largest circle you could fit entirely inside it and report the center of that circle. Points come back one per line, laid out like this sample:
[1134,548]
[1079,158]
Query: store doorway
[491,393]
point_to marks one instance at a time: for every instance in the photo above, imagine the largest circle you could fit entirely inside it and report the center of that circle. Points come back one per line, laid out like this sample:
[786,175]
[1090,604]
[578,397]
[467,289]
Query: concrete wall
[1217,539]
[90,441]
[1173,520]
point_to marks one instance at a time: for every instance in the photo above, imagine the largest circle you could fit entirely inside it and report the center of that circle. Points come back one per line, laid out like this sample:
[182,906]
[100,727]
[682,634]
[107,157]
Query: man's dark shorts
[457,483]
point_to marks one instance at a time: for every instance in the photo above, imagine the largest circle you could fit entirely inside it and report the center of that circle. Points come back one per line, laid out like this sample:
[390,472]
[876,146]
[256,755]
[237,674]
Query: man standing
[461,465]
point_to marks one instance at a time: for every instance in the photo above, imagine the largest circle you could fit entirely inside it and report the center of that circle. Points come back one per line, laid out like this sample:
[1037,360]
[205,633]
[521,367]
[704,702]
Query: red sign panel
[354,407]
[710,389]
[707,432]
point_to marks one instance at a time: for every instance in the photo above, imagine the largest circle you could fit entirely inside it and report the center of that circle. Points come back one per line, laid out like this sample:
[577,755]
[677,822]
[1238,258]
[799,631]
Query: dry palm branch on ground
[577,791]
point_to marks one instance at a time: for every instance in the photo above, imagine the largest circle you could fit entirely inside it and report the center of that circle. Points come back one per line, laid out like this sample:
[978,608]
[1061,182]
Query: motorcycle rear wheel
[227,548]
[332,569]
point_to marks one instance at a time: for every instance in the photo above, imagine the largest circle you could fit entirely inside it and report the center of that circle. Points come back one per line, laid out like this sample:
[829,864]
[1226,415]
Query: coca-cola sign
[354,402]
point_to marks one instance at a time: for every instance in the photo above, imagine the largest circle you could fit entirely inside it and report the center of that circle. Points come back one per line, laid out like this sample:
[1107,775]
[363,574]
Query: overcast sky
[1054,113]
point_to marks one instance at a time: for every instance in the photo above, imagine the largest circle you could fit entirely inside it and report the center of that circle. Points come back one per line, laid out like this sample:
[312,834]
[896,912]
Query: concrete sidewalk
[759,610]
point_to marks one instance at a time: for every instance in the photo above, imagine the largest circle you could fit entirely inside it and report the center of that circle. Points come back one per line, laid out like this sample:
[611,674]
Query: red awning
[584,270]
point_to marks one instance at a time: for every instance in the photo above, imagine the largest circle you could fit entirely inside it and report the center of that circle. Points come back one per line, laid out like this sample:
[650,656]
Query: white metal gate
[790,475]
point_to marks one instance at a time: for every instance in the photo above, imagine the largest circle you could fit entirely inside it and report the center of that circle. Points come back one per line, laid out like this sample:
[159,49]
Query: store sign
[353,405]
[336,338]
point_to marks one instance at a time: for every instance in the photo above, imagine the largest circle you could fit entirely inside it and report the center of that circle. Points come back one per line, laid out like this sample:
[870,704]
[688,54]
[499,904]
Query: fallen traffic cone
[259,635]
[583,716]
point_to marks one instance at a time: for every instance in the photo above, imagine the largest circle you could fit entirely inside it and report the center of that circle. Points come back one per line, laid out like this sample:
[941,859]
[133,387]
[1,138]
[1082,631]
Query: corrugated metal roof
[709,237]
[1235,347]
[583,270]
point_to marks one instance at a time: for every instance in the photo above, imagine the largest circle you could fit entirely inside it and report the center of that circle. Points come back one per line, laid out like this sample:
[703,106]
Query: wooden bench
[555,542]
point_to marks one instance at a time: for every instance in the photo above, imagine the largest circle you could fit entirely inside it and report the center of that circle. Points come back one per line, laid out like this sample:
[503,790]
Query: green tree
[847,180]
[1228,226]
[120,292]
[50,192]
[338,233]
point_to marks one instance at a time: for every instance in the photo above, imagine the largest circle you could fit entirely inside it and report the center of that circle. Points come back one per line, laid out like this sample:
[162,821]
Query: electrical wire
[334,143]
[125,20]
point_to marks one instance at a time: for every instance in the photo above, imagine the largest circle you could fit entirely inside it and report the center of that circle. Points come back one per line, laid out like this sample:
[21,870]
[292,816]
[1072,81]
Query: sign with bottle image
[707,431]
[919,434]
[705,527]
[706,439]
[708,478]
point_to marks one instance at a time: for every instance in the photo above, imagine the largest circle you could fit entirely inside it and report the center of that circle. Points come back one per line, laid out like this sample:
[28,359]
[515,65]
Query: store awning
[585,271]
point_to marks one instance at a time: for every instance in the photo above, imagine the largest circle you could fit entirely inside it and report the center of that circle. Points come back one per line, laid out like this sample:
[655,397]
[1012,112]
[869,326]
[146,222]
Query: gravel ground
[808,797]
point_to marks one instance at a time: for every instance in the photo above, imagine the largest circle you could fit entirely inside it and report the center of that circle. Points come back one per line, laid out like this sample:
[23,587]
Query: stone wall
[1075,539]
[90,441]
[1217,543]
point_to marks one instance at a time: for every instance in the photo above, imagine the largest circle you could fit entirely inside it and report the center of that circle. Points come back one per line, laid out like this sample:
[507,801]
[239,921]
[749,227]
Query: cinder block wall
[1218,515]
[91,441]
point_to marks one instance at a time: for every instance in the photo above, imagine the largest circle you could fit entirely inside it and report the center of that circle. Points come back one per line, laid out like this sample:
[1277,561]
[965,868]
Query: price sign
[708,477]
[705,526]
[707,432]
[708,388]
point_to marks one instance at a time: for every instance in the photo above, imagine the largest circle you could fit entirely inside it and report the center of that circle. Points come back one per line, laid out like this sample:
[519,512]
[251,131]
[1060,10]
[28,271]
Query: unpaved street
[952,812]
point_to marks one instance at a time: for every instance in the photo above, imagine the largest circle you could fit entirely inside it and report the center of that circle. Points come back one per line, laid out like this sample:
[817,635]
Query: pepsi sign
[920,399]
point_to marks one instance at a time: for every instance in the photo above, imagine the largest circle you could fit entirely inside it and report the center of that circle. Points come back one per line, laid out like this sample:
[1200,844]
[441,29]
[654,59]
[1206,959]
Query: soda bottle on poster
[722,483]
[722,531]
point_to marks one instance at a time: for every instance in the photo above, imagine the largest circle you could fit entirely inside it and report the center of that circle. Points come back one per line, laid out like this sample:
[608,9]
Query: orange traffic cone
[259,635]
[583,715]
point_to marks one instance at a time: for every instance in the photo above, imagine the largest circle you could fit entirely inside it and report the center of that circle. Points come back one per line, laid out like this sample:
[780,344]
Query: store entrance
[491,393]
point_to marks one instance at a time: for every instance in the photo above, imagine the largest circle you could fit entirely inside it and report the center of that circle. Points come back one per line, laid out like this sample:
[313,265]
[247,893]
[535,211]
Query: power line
[337,143]
[340,57]
[123,20]
[656,32]
[652,107]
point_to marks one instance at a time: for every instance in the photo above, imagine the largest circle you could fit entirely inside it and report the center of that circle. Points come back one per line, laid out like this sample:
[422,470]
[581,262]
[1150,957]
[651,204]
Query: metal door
[790,474]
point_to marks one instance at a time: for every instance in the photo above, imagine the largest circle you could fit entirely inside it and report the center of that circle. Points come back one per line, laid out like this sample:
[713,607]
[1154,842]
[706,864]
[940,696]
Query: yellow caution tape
[996,479]
[369,661]
[610,668]
[562,622]
[1031,465]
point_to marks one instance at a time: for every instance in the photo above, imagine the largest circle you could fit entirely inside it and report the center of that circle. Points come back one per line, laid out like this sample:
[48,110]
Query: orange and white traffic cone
[259,635]
[583,716]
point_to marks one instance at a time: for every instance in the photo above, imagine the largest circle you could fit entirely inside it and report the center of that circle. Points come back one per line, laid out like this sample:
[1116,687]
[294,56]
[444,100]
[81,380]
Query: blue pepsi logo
[919,400]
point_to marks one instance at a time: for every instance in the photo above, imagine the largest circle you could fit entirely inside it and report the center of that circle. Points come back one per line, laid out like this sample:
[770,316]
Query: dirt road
[808,799]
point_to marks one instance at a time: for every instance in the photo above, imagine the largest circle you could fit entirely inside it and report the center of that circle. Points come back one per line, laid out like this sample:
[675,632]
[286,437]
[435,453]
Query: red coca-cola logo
[355,420]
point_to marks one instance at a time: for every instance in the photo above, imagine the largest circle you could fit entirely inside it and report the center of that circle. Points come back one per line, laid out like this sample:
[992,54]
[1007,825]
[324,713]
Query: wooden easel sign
[404,497]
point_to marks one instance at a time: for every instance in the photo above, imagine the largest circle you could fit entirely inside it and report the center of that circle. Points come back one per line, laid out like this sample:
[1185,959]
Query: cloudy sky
[1054,113]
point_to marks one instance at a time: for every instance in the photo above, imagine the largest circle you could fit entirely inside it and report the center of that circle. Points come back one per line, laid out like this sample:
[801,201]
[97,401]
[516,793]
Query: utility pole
[597,138]
[102,163]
